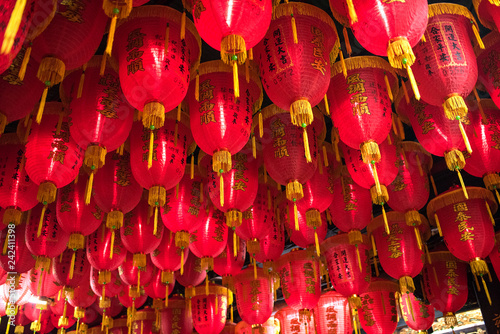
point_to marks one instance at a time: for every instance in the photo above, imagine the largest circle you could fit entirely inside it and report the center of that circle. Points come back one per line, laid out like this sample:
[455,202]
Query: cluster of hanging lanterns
[156,172]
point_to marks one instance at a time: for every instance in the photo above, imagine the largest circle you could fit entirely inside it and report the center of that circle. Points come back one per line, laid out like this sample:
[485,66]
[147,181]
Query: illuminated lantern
[176,317]
[116,190]
[194,274]
[293,321]
[40,316]
[71,272]
[443,57]
[375,176]
[390,29]
[445,284]
[20,321]
[210,239]
[417,314]
[438,135]
[485,156]
[284,157]
[401,253]
[360,100]
[466,224]
[352,206]
[135,276]
[143,321]
[42,283]
[82,298]
[495,255]
[114,309]
[21,261]
[159,291]
[131,299]
[16,292]
[229,328]
[183,212]
[101,117]
[139,235]
[114,287]
[332,311]
[294,59]
[69,41]
[300,280]
[487,61]
[229,263]
[155,61]
[271,326]
[378,313]
[62,325]
[212,301]
[168,147]
[16,104]
[254,296]
[409,191]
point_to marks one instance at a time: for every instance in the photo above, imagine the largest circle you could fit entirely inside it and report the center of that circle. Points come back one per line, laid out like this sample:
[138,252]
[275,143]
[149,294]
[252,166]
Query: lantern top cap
[484,14]
[272,110]
[451,9]
[300,8]
[443,256]
[398,217]
[214,290]
[121,322]
[145,314]
[297,254]
[383,285]
[339,240]
[456,196]
[489,41]
[414,147]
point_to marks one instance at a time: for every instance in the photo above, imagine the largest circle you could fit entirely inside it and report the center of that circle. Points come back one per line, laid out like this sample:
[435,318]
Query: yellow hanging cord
[112,246]
[347,42]
[388,87]
[182,261]
[296,216]
[462,184]
[12,28]
[236,84]
[151,145]
[197,86]
[191,170]
[375,178]
[325,156]
[207,289]
[40,223]
[358,256]
[342,62]
[464,136]
[386,224]
[352,11]
[254,147]
[254,269]
[419,165]
[316,241]
[294,30]
[82,81]
[327,106]
[413,83]
[42,102]
[489,212]
[88,188]
[183,25]
[155,226]
[221,192]
[478,38]
[438,225]
[72,265]
[261,125]
[486,289]
[306,144]
[24,64]
[417,235]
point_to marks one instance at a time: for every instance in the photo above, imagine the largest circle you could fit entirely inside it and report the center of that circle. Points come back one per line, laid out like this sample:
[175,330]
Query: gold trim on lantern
[144,315]
[450,8]
[272,110]
[396,217]
[300,8]
[341,239]
[214,290]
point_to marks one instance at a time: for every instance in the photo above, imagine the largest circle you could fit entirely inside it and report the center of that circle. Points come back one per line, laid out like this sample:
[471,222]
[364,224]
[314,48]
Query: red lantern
[116,190]
[231,260]
[418,315]
[443,57]
[21,261]
[210,239]
[132,299]
[131,274]
[300,280]
[111,311]
[272,325]
[168,258]
[114,309]
[20,321]
[361,102]
[15,292]
[42,283]
[466,224]
[158,289]
[331,312]
[401,253]
[209,307]
[62,324]
[302,234]
[390,29]
[445,284]
[194,274]
[82,297]
[71,270]
[113,288]
[294,59]
[52,157]
[378,313]
[254,296]
[40,316]
[487,59]
[176,317]
[292,320]
[229,328]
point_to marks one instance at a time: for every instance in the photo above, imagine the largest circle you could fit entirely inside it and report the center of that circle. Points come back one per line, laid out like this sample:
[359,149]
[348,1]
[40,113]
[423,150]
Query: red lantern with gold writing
[168,258]
[378,313]
[42,283]
[176,317]
[293,321]
[302,234]
[488,60]
[209,307]
[157,288]
[194,274]
[21,261]
[229,263]
[113,287]
[71,272]
[445,284]
[134,275]
[417,314]
[82,298]
[332,312]
[104,252]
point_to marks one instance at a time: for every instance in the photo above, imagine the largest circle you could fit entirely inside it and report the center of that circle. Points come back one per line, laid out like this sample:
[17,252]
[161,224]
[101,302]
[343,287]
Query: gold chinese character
[354,78]
[356,88]
[462,206]
[319,64]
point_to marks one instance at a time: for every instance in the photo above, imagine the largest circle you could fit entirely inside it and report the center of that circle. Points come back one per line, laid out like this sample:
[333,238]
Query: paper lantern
[229,328]
[293,60]
[176,317]
[42,283]
[113,287]
[15,292]
[20,321]
[495,255]
[401,253]
[360,100]
[209,307]
[62,325]
[466,224]
[39,314]
[158,289]
[390,29]
[82,297]
[229,263]
[71,272]
[114,309]
[378,313]
[293,321]
[300,280]
[104,252]
[301,233]
[442,60]
[445,284]
[409,191]
[18,257]
[254,296]
[417,314]
[194,274]
[332,314]
[487,61]
[271,326]
[131,274]
[154,55]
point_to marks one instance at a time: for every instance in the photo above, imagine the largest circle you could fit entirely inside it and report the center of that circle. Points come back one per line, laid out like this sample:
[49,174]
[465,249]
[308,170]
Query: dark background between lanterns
[443,177]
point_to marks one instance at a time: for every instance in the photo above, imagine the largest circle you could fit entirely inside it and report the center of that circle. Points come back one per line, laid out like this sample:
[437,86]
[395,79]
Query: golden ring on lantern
[396,217]
[341,239]
[144,315]
[272,110]
[216,290]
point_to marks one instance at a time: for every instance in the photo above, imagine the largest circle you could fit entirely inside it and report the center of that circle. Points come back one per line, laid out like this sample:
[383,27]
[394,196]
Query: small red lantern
[443,57]
[401,253]
[417,314]
[22,261]
[229,263]
[115,308]
[39,314]
[20,321]
[71,269]
[158,289]
[487,60]
[332,312]
[82,298]
[300,280]
[62,325]
[134,275]
[42,283]
[292,320]
[294,59]
[209,308]
[176,317]
[360,95]
[466,223]
[113,288]
[168,258]
[194,274]
[304,235]
[378,313]
[445,284]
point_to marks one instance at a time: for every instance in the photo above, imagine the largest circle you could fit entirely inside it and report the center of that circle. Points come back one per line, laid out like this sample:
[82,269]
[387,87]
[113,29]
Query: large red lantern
[176,317]
[43,284]
[17,191]
[229,263]
[378,313]
[445,284]
[487,62]
[417,314]
[293,321]
[361,103]
[155,61]
[21,261]
[390,29]
[69,41]
[301,233]
[294,59]
[446,66]
[254,296]
[209,307]
[71,270]
[193,274]
[300,280]
[332,314]
[466,224]
[134,275]
[401,253]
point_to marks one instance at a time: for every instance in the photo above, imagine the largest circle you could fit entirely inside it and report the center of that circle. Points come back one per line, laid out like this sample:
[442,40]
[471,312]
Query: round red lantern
[21,261]
[401,253]
[301,233]
[16,292]
[361,103]
[390,29]
[115,308]
[294,59]
[254,296]
[487,60]
[62,323]
[331,312]
[132,299]
[292,320]
[209,307]
[42,283]
[194,274]
[300,280]
[114,287]
[445,284]
[378,313]
[229,263]
[82,297]
[71,269]
[417,314]
[466,224]
[168,258]
[158,289]
[40,316]
[20,321]
[495,255]
[133,275]
[176,317]
[271,326]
